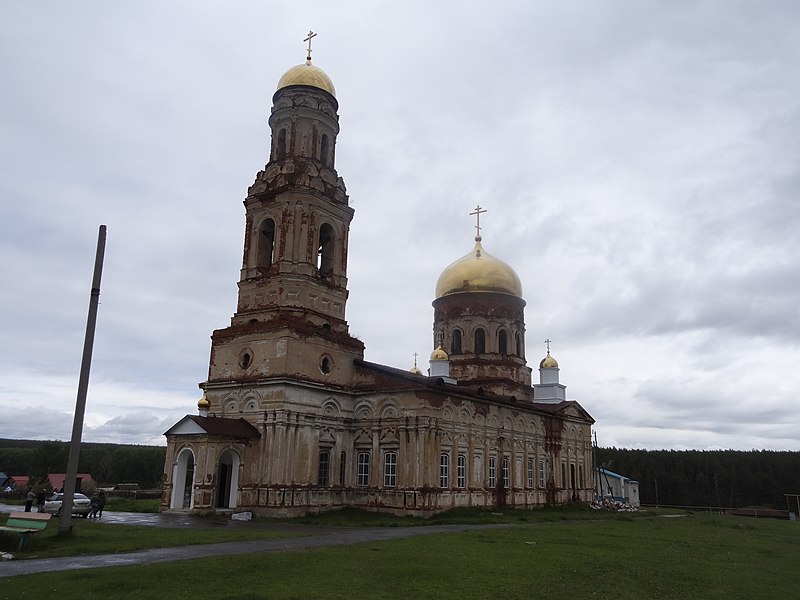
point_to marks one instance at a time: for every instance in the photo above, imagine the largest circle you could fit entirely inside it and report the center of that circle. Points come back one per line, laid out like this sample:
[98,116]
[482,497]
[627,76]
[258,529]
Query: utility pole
[65,521]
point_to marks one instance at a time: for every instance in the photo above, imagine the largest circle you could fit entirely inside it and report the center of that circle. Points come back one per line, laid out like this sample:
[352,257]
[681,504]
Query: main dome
[478,271]
[307,74]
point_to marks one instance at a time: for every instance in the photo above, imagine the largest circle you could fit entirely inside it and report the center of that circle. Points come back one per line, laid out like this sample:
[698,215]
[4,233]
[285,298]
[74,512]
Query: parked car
[81,505]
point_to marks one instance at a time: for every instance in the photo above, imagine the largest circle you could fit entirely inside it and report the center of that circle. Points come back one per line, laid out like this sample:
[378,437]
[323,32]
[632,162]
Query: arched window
[324,467]
[325,150]
[444,470]
[461,471]
[390,469]
[281,149]
[480,341]
[325,250]
[266,243]
[518,343]
[502,341]
[455,346]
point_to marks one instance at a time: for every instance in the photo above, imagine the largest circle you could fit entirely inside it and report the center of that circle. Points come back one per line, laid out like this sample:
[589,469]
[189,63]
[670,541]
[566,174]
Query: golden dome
[415,370]
[478,271]
[307,74]
[203,403]
[439,354]
[548,362]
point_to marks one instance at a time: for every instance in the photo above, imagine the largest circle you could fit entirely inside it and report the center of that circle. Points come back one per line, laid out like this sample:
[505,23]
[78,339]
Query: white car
[81,505]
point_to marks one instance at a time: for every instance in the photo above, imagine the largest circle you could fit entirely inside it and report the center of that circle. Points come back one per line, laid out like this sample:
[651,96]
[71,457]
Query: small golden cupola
[203,405]
[548,362]
[549,390]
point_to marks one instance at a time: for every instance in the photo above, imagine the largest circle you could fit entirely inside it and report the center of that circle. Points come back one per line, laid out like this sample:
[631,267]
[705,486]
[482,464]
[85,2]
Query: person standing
[40,498]
[29,500]
[101,503]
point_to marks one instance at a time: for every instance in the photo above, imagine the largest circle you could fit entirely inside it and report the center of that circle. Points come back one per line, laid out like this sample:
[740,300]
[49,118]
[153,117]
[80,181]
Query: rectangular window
[506,469]
[530,473]
[461,471]
[444,470]
[542,474]
[563,475]
[390,469]
[342,468]
[492,472]
[324,469]
[580,476]
[363,468]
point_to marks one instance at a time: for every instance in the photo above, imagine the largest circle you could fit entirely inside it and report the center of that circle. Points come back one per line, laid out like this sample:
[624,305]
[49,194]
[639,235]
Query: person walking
[95,506]
[101,503]
[29,500]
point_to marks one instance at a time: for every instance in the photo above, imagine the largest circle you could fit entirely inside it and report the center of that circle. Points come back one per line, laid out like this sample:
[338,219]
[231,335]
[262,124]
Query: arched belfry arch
[326,248]
[266,243]
[183,481]
[227,479]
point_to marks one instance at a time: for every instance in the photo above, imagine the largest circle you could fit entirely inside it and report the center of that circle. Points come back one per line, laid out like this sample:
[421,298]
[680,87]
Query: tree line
[716,478]
[109,464]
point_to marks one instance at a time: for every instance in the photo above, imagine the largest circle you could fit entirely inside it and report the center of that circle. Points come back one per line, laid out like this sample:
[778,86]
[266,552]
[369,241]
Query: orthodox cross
[311,35]
[477,212]
[415,359]
[547,341]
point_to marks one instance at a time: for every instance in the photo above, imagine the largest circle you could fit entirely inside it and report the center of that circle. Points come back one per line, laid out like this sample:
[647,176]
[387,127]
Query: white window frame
[506,464]
[492,472]
[461,471]
[444,470]
[362,473]
[531,473]
[390,469]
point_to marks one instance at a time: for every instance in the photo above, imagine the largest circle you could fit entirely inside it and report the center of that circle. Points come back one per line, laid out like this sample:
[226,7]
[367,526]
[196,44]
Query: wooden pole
[65,521]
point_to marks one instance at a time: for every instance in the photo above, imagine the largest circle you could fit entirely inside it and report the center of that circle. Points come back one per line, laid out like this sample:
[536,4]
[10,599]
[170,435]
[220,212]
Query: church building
[293,419]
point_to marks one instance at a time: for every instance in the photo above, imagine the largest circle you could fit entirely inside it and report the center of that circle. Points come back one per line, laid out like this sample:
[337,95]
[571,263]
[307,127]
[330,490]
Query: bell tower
[290,316]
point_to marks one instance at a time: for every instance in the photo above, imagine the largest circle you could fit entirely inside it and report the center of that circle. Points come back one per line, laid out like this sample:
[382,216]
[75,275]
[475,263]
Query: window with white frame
[506,473]
[542,473]
[461,471]
[390,469]
[492,472]
[324,468]
[444,470]
[531,473]
[363,468]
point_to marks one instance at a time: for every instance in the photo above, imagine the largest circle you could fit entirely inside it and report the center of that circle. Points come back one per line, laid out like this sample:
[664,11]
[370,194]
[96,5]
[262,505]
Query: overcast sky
[639,161]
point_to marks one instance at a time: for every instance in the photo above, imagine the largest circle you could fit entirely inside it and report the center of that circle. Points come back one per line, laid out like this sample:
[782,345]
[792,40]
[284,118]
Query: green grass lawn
[88,537]
[696,557]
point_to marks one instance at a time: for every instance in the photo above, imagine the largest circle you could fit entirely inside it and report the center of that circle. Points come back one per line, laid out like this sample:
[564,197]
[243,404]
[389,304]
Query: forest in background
[109,464]
[718,478]
[715,478]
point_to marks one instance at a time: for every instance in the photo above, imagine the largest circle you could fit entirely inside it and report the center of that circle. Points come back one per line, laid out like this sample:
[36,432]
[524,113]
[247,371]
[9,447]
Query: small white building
[612,486]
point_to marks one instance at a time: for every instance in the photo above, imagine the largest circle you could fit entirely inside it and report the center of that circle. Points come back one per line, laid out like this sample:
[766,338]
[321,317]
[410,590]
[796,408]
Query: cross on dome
[311,35]
[547,341]
[477,212]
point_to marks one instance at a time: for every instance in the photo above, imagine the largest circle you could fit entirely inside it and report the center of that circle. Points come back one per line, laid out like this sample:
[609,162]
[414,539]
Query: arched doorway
[183,481]
[227,479]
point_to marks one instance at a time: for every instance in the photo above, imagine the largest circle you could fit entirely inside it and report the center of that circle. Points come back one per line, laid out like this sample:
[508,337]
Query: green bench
[25,523]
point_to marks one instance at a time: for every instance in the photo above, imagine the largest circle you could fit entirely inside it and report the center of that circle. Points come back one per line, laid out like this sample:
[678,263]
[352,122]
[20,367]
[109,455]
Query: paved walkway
[312,536]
